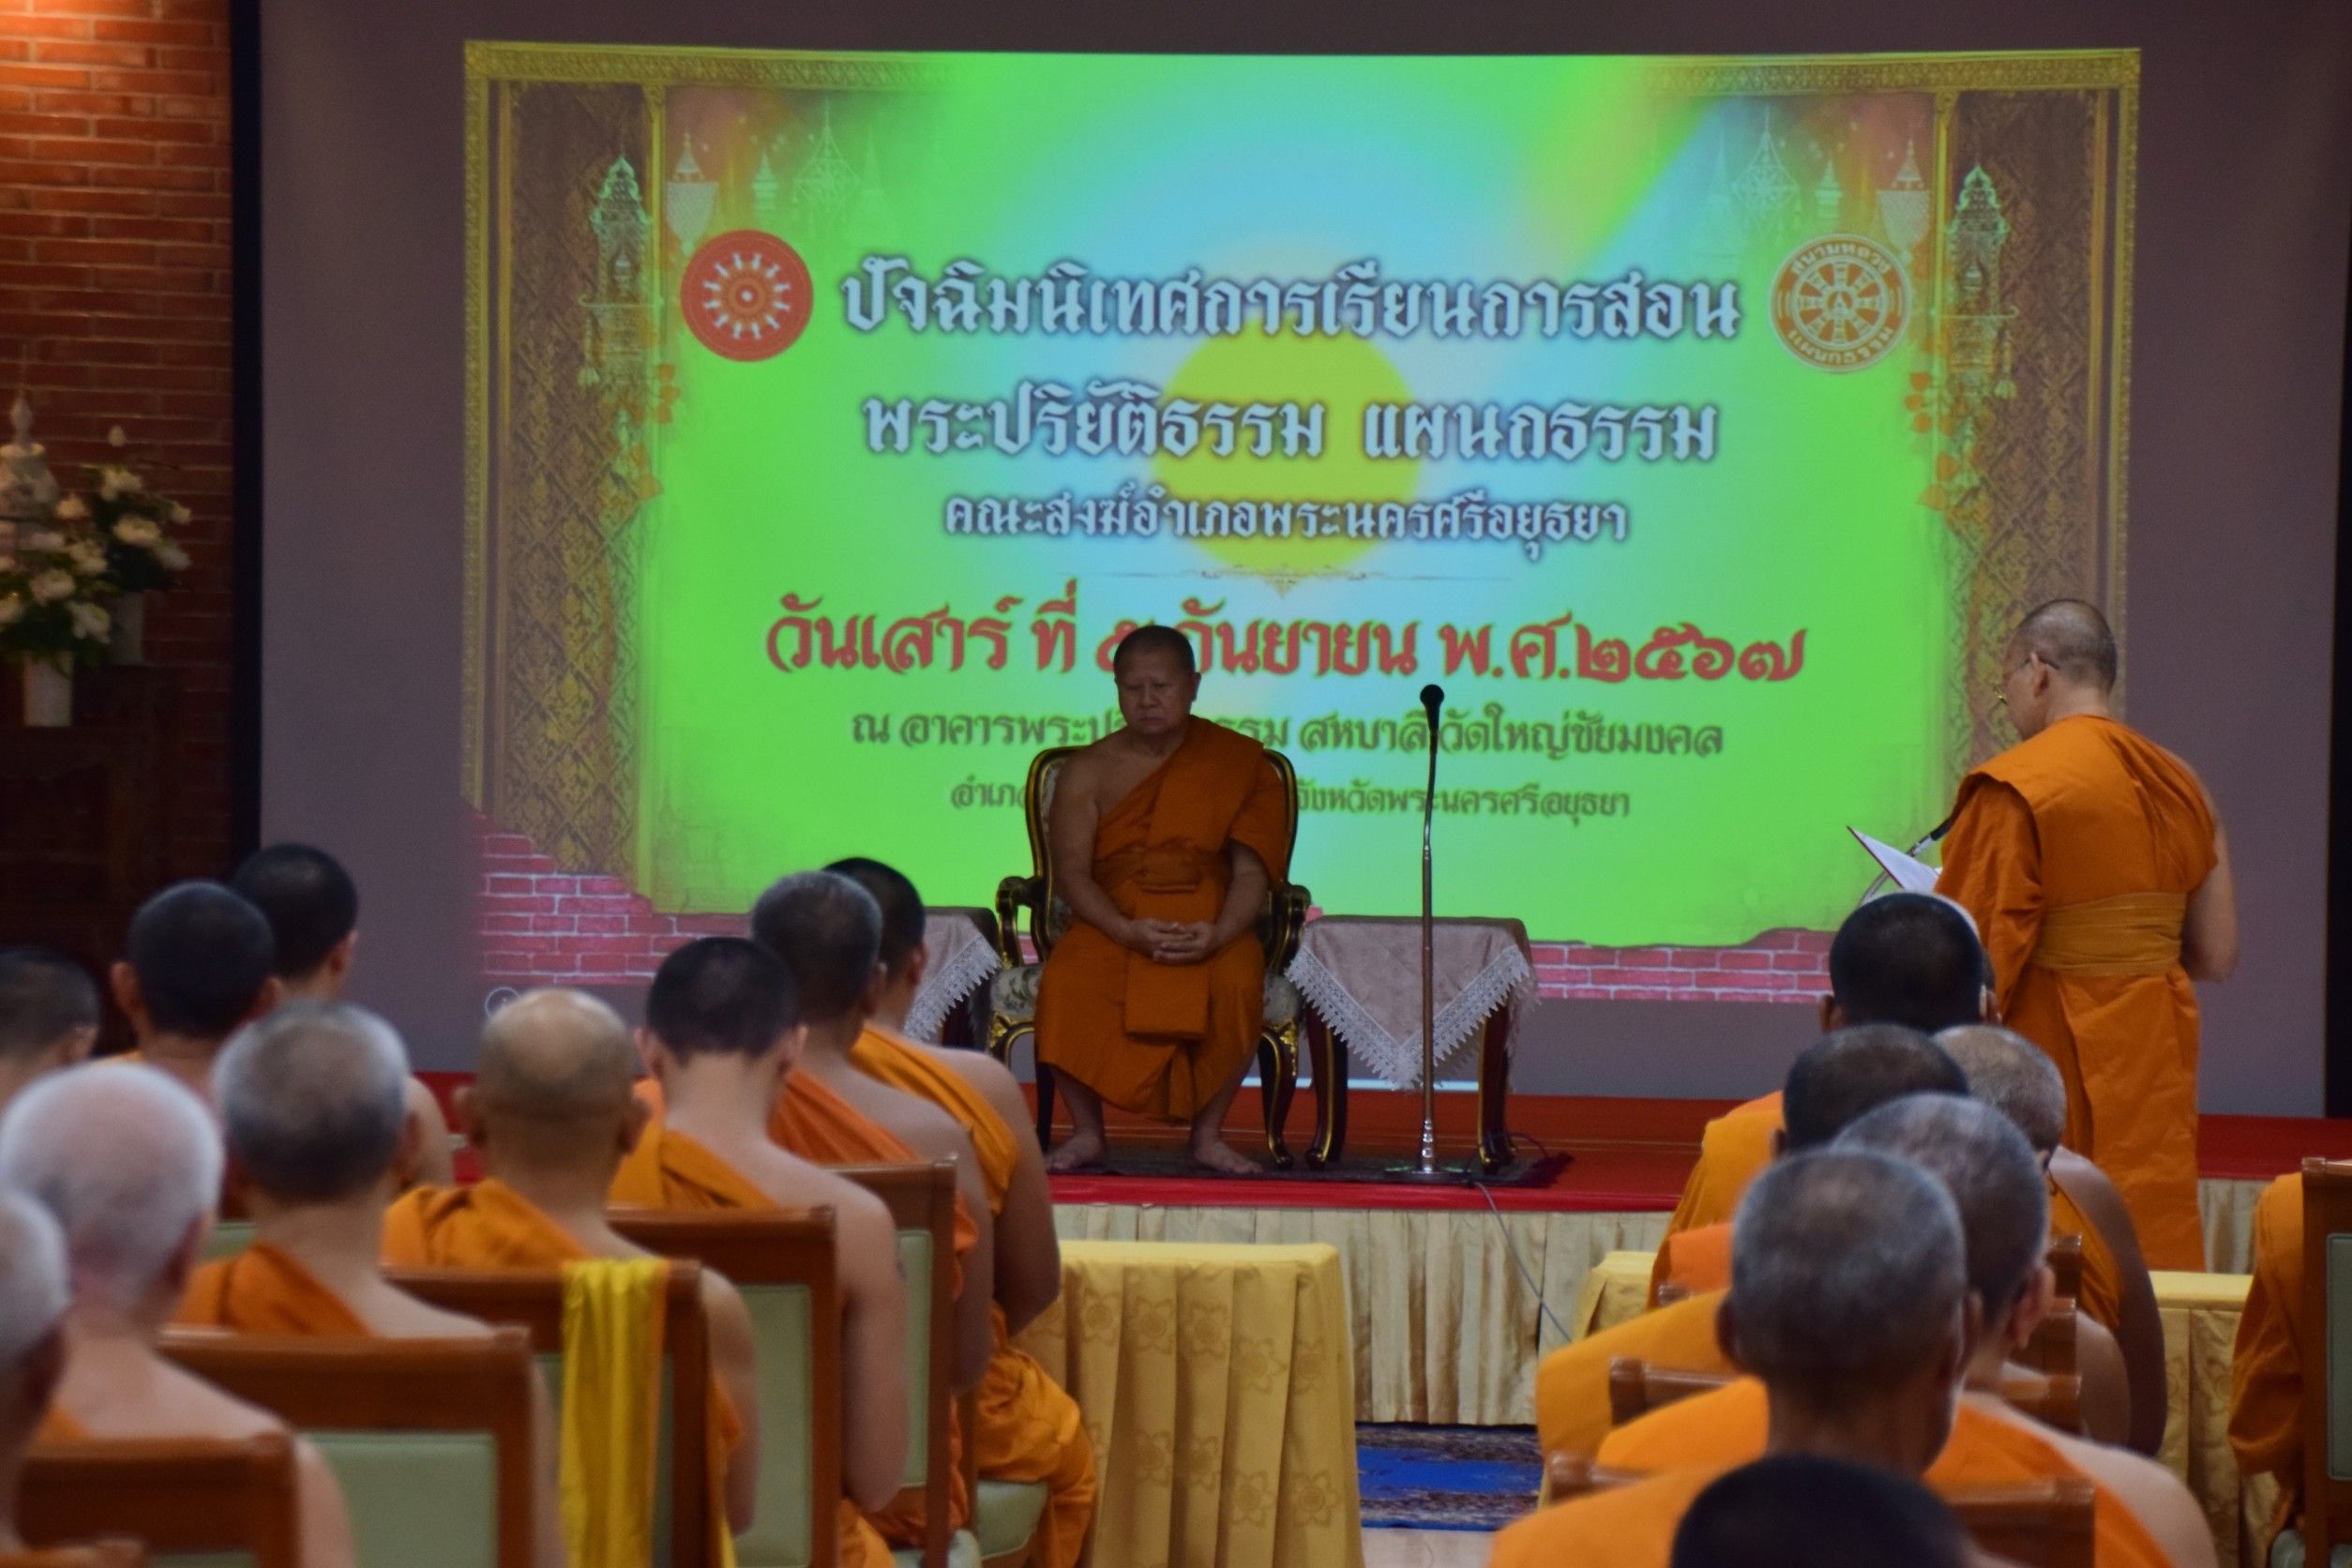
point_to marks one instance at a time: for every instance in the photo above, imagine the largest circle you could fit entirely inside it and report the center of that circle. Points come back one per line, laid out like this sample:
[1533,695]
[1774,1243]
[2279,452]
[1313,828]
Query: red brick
[79,53]
[1805,963]
[177,33]
[1646,957]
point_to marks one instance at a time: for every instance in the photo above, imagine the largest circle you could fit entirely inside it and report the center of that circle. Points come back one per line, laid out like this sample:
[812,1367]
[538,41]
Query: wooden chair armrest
[1013,895]
[1287,904]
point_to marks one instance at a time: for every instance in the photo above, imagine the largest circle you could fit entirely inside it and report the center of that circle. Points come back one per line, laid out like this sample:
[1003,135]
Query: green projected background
[1699,425]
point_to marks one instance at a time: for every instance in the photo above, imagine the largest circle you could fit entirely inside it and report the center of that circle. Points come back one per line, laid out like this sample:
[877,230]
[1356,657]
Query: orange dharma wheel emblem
[1839,303]
[746,296]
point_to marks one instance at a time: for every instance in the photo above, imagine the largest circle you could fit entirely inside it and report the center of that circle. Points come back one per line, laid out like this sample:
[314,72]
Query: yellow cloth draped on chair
[611,1425]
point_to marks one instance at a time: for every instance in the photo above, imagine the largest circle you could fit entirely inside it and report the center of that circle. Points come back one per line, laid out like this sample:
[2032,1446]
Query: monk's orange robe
[262,1290]
[1572,1386]
[1160,1039]
[58,1427]
[669,1170]
[822,1127]
[1727,1426]
[490,1226]
[2076,852]
[2267,1362]
[1027,1426]
[1624,1526]
[1694,1261]
[2102,1296]
[1734,1148]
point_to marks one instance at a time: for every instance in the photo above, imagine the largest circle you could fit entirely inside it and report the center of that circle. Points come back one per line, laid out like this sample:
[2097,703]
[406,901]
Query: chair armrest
[1286,914]
[1013,894]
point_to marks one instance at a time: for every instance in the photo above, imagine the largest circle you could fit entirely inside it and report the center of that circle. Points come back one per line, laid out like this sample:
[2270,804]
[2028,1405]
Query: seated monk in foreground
[1801,1511]
[128,1163]
[1836,1080]
[2144,1516]
[1849,1300]
[1164,835]
[720,1033]
[1028,1427]
[550,1113]
[33,1302]
[49,1016]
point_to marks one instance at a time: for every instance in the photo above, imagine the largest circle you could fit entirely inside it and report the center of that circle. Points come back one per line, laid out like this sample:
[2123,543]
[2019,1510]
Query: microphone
[1433,697]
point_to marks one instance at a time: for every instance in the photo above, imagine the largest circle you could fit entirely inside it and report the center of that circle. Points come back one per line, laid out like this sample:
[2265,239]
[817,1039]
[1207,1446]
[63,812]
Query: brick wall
[114,296]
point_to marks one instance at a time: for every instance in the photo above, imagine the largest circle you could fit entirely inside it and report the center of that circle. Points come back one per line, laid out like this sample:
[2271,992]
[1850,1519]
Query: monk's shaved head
[315,1098]
[828,930]
[2072,637]
[1911,958]
[1155,639]
[34,1289]
[1995,1181]
[2014,1077]
[901,907]
[1846,1272]
[553,1076]
[1803,1511]
[1854,1071]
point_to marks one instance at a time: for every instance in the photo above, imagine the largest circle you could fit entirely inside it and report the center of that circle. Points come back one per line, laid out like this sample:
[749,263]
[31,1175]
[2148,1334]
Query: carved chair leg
[1330,1062]
[1277,1081]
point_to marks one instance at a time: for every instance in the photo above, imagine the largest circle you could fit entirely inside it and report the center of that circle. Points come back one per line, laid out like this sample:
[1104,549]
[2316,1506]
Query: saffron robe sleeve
[1735,1146]
[1164,1039]
[2076,852]
[1572,1384]
[2267,1366]
[262,1290]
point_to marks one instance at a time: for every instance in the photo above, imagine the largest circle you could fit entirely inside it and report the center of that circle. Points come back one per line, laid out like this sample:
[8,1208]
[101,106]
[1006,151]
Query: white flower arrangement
[134,523]
[50,589]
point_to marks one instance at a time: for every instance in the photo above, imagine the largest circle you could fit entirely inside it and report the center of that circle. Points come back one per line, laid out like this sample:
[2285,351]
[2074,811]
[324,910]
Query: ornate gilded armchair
[1013,994]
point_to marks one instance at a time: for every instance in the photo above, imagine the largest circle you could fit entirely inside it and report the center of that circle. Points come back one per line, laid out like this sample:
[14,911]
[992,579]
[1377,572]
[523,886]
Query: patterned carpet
[1446,1477]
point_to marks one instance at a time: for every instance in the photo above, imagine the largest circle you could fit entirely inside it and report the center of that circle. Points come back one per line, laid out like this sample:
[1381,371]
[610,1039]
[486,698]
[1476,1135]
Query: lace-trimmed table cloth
[1362,975]
[959,948]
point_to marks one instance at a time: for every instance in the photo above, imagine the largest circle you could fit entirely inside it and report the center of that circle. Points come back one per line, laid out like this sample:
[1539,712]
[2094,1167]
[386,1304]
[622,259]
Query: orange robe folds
[2076,852]
[1572,1386]
[669,1170]
[2267,1366]
[1160,1039]
[2102,1296]
[262,1290]
[1693,1263]
[1735,1146]
[1624,1526]
[1026,1427]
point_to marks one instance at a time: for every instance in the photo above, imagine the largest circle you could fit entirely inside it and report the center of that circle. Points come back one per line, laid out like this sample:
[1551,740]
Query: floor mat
[1446,1477]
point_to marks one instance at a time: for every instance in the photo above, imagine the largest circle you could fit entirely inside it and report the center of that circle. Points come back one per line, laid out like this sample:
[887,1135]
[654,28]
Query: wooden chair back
[786,1266]
[1636,1388]
[2053,1348]
[104,1554]
[922,1203]
[2045,1524]
[2066,1267]
[178,1497]
[2328,1359]
[533,1300]
[2055,1400]
[348,1396]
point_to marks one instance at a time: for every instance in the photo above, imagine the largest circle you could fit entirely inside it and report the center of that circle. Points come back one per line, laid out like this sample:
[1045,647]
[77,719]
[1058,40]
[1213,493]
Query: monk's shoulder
[208,1410]
[992,1078]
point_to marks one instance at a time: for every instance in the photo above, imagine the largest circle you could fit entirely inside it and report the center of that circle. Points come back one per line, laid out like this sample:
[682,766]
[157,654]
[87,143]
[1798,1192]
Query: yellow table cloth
[1217,1385]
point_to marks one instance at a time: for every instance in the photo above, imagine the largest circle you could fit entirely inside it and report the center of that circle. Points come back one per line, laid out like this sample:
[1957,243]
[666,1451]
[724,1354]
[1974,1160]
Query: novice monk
[49,1016]
[1164,836]
[1837,1078]
[197,964]
[551,1111]
[2097,869]
[720,1034]
[1028,1428]
[2010,1073]
[313,907]
[33,1302]
[128,1163]
[1849,1300]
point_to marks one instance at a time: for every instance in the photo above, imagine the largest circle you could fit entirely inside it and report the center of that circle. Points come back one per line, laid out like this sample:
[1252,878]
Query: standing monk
[2097,870]
[1164,836]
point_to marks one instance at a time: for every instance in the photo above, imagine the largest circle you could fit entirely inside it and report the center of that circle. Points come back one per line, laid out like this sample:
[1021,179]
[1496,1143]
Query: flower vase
[126,634]
[48,694]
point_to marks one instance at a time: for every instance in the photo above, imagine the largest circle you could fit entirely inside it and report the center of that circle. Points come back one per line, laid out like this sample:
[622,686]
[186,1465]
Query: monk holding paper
[2098,872]
[1164,836]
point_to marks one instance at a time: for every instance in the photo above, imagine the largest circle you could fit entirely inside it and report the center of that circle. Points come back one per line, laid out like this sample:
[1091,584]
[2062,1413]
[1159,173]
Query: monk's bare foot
[1078,1152]
[1210,1154]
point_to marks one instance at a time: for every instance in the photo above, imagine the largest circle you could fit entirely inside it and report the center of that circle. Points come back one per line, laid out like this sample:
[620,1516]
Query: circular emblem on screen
[746,296]
[1840,302]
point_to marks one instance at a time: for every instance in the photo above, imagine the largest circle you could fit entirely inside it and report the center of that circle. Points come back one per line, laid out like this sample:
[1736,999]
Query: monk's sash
[2131,933]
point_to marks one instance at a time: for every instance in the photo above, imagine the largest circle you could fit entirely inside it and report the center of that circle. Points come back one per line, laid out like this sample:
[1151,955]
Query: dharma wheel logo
[1840,302]
[746,296]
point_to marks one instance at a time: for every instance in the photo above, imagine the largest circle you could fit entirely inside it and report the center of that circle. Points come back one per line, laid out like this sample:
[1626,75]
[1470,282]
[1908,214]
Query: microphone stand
[1431,698]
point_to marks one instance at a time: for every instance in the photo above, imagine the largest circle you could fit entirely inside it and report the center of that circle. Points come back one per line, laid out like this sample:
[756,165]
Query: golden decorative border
[633,66]
[473,699]
[1716,76]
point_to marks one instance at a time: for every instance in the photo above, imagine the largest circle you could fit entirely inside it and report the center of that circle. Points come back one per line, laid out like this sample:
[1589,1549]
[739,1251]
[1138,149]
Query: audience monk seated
[1849,1301]
[1836,1080]
[1163,837]
[313,907]
[1027,1429]
[1907,958]
[49,1016]
[2098,871]
[551,1112]
[2274,1350]
[33,1302]
[2144,1515]
[129,1164]
[2117,1302]
[196,965]
[720,1033]
[1801,1511]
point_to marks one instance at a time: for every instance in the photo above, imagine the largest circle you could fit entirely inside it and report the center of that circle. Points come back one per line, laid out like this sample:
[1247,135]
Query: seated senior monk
[2275,1349]
[2117,1302]
[1802,1511]
[1027,1427]
[195,966]
[33,1302]
[551,1111]
[129,1163]
[1164,834]
[1849,1301]
[313,907]
[1908,957]
[49,1016]
[2144,1515]
[1836,1080]
[720,1034]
